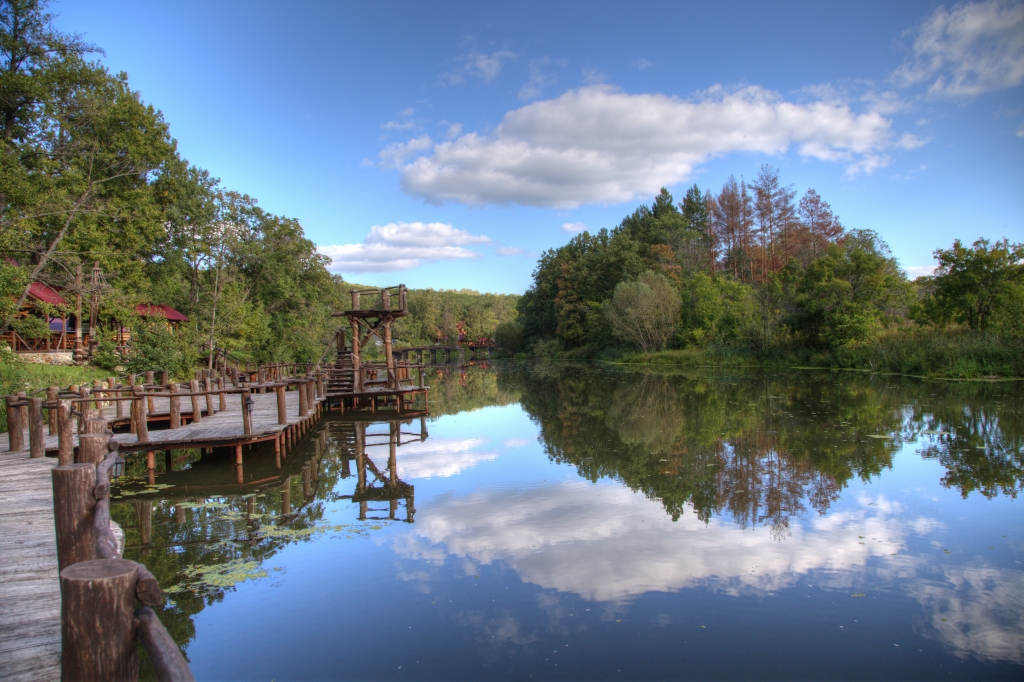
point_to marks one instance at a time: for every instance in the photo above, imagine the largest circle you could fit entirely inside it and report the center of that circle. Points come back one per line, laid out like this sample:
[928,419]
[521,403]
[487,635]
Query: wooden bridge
[223,409]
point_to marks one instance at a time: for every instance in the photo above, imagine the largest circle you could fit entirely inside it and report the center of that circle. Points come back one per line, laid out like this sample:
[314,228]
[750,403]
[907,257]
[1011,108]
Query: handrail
[96,590]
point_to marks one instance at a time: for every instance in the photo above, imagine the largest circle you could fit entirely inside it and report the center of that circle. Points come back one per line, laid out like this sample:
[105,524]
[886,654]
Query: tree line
[89,173]
[751,272]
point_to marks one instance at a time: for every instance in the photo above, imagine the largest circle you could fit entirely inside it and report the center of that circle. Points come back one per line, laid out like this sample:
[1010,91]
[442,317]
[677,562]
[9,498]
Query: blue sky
[447,145]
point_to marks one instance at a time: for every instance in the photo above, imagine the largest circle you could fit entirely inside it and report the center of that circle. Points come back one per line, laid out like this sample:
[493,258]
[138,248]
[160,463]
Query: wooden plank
[29,588]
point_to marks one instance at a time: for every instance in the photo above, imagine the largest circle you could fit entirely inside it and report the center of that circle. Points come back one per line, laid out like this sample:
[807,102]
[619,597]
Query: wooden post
[197,412]
[311,394]
[65,433]
[282,405]
[15,429]
[234,377]
[92,447]
[36,438]
[222,396]
[175,406]
[52,394]
[208,387]
[139,412]
[98,631]
[246,417]
[303,400]
[238,454]
[388,357]
[149,400]
[120,406]
[73,504]
[164,376]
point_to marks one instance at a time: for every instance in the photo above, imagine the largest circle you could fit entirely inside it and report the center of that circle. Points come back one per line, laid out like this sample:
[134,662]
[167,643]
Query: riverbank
[941,355]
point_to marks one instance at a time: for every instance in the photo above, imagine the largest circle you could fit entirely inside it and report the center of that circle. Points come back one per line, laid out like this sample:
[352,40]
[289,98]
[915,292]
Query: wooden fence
[100,625]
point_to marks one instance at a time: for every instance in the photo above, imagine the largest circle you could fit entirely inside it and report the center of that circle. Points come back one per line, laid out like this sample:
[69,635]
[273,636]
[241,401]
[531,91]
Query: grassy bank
[22,376]
[945,355]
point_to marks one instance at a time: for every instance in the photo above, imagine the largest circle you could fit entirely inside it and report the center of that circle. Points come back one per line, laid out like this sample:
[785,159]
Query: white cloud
[607,543]
[539,79]
[915,271]
[594,76]
[401,246]
[486,67]
[1020,130]
[971,49]
[516,442]
[598,145]
[454,130]
[573,227]
[642,64]
[398,125]
[437,457]
[510,251]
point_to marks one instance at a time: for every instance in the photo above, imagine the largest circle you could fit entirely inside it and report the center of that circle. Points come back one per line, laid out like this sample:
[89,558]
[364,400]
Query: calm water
[580,522]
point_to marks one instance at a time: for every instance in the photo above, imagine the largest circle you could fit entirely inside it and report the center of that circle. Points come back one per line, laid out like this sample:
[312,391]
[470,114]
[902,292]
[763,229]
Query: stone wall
[48,358]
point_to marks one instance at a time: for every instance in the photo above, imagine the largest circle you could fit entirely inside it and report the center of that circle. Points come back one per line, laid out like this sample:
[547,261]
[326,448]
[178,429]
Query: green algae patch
[200,579]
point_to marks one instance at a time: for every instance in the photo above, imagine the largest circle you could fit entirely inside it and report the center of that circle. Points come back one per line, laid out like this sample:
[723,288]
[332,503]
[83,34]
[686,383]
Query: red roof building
[162,310]
[45,294]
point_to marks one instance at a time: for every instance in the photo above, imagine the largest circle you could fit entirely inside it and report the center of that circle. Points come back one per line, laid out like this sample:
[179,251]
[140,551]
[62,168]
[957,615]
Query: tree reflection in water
[756,449]
[765,447]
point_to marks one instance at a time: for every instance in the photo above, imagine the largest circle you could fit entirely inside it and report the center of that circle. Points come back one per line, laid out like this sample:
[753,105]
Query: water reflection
[762,449]
[623,491]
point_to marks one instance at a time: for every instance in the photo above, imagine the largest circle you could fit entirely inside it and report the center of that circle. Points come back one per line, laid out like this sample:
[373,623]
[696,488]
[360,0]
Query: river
[560,521]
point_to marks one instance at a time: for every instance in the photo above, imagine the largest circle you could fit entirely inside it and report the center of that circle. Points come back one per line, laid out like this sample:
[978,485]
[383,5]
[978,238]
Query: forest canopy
[753,274]
[89,174]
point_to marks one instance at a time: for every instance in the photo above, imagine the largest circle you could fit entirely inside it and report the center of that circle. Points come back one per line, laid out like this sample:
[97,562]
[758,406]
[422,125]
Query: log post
[36,438]
[73,505]
[197,412]
[139,412]
[15,429]
[246,417]
[119,406]
[282,405]
[149,400]
[83,392]
[164,377]
[208,386]
[175,406]
[222,396]
[65,433]
[92,447]
[98,630]
[52,394]
[303,400]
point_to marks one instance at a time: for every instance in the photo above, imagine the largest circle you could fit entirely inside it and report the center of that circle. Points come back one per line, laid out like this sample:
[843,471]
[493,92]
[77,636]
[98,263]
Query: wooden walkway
[29,587]
[223,428]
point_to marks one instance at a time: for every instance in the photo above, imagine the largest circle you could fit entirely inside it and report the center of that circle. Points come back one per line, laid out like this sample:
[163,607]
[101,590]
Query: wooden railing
[24,410]
[62,341]
[100,625]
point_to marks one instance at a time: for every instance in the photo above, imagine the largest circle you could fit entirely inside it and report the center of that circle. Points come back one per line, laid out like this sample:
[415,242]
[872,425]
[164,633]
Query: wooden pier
[29,588]
[223,408]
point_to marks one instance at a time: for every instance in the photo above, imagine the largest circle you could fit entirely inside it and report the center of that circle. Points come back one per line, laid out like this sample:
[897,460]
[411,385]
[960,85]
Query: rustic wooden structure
[100,626]
[354,382]
[223,409]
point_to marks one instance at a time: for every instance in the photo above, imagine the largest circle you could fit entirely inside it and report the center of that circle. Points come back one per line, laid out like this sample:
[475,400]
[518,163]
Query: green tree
[971,284]
[644,312]
[849,295]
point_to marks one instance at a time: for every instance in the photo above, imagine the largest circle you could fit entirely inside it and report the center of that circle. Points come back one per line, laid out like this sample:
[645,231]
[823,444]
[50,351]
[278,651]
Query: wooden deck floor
[29,589]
